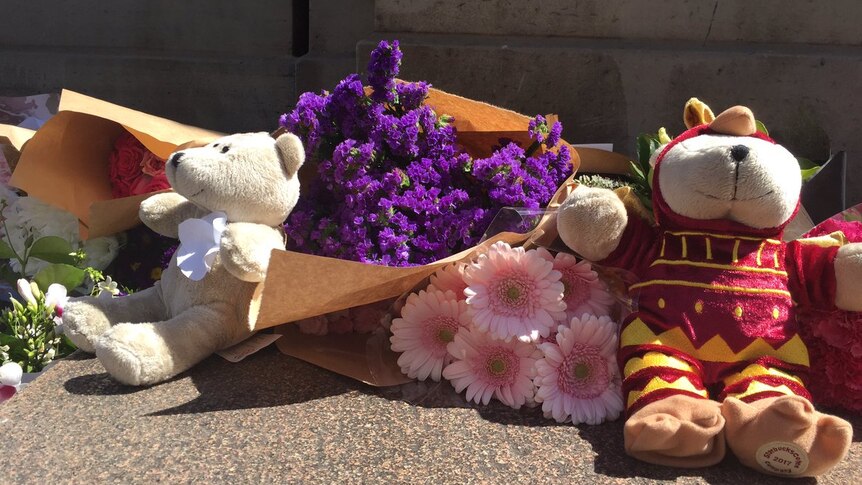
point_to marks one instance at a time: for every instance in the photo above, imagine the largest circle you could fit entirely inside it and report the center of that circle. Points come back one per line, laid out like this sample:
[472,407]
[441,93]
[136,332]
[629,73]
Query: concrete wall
[210,63]
[610,68]
[615,68]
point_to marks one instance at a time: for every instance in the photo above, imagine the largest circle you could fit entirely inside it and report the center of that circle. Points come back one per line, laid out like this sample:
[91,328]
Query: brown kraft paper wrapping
[66,162]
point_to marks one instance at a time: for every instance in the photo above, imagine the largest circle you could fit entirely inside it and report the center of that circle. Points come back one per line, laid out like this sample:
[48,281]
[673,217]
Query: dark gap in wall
[300,27]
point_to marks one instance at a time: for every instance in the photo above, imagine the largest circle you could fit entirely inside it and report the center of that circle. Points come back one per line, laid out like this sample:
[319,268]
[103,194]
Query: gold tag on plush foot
[782,458]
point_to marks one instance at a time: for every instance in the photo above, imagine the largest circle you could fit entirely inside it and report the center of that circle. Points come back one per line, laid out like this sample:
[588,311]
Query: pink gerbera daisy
[578,378]
[429,321]
[583,291]
[486,367]
[514,293]
[450,278]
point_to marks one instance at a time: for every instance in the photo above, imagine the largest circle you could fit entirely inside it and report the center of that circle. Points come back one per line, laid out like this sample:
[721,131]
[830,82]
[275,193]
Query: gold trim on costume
[750,269]
[711,286]
[657,383]
[723,236]
[716,349]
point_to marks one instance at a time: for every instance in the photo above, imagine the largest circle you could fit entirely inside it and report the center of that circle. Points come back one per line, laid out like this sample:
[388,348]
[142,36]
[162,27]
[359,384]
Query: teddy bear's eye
[225,148]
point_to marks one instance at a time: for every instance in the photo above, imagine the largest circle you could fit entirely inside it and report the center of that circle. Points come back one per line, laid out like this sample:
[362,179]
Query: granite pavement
[272,418]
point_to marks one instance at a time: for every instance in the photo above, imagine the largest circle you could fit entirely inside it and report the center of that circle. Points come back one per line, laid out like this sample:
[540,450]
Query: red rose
[156,183]
[152,165]
[125,164]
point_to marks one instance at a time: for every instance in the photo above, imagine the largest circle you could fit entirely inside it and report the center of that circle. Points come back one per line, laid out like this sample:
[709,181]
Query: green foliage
[640,172]
[6,251]
[53,249]
[28,336]
[65,274]
[600,181]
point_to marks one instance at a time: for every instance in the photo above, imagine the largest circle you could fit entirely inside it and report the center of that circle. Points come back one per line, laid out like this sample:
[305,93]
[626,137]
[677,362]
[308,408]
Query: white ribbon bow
[199,244]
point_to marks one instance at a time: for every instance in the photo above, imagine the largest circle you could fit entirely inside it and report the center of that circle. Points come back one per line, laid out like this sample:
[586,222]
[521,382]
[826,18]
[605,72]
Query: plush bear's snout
[175,159]
[739,152]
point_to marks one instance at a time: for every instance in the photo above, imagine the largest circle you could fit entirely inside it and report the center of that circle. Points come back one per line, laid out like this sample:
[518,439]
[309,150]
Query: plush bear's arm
[848,277]
[245,249]
[596,224]
[591,222]
[164,212]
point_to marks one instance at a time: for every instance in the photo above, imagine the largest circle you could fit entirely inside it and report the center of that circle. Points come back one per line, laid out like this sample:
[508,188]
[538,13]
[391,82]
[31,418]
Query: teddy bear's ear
[696,113]
[736,121]
[291,151]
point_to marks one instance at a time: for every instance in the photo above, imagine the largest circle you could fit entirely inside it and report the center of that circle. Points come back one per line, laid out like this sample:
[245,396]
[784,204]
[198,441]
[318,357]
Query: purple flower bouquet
[401,179]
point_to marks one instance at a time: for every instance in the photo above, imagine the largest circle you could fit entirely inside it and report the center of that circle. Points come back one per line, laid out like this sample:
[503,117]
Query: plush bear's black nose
[739,152]
[175,159]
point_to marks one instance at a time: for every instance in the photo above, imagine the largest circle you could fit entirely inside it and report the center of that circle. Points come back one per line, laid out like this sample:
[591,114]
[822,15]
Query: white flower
[56,297]
[26,291]
[10,374]
[199,244]
[107,288]
[28,216]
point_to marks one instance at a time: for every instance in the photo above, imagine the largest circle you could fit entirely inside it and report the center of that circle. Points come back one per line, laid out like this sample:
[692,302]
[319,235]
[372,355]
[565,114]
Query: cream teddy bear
[231,197]
[712,358]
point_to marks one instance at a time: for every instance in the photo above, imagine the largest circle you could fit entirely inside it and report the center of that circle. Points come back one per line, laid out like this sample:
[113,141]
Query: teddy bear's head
[251,177]
[726,176]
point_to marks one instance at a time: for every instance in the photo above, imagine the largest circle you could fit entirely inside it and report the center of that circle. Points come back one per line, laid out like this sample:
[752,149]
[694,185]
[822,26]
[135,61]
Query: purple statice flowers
[392,185]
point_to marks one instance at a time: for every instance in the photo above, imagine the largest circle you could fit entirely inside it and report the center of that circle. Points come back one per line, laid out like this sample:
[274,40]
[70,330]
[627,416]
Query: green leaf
[636,171]
[807,173]
[644,146]
[53,249]
[6,251]
[805,163]
[761,127]
[65,274]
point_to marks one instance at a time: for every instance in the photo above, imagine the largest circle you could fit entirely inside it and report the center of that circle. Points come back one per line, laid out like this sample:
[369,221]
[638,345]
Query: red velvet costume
[716,304]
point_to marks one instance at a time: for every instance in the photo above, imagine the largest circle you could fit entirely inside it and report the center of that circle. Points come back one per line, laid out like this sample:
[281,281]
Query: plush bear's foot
[678,431]
[84,323]
[135,354]
[785,436]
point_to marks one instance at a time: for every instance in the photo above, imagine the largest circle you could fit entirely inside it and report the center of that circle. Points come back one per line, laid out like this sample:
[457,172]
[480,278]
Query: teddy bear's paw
[785,436]
[135,354]
[679,431]
[84,323]
[591,222]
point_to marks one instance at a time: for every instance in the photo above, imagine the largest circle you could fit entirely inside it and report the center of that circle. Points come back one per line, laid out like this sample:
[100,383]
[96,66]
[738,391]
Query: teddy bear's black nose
[175,159]
[739,152]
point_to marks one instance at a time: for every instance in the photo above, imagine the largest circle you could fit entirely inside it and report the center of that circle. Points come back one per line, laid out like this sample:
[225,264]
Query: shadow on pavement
[265,379]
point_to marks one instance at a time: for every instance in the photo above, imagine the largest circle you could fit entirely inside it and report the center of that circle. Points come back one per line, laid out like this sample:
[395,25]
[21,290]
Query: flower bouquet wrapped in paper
[402,180]
[98,160]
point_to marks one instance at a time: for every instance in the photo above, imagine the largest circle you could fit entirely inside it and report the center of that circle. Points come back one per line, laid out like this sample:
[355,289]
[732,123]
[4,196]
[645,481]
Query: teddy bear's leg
[148,353]
[86,319]
[671,420]
[773,427]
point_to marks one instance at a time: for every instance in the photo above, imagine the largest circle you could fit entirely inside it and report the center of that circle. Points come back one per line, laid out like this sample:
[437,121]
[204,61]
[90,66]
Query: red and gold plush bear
[712,357]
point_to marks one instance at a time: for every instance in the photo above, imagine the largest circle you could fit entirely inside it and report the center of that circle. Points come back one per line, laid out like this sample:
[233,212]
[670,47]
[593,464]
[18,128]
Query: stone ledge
[272,418]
